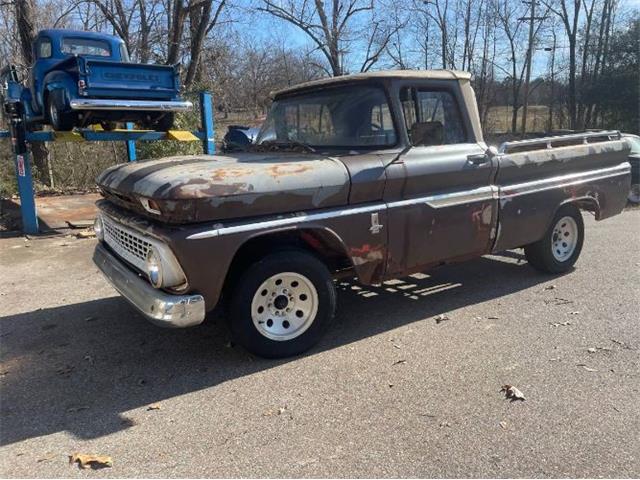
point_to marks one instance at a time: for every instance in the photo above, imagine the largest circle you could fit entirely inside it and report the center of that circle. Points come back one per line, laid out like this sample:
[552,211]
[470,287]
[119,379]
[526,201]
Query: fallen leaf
[591,350]
[46,458]
[77,409]
[281,410]
[512,392]
[86,234]
[154,406]
[559,324]
[549,287]
[90,460]
[503,425]
[558,301]
[441,318]
[588,369]
[66,370]
[399,362]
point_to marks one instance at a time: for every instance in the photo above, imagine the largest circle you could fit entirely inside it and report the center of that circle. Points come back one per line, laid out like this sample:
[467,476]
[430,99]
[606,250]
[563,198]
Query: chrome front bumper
[163,309]
[130,105]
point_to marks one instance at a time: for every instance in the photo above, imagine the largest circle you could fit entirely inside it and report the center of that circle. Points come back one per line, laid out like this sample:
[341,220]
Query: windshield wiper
[271,145]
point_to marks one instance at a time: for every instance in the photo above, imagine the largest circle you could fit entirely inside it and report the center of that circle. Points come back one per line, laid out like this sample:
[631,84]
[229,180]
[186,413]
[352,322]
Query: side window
[432,117]
[44,48]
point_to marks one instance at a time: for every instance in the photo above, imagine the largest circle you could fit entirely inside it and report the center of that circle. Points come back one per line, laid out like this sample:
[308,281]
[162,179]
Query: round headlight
[98,228]
[154,268]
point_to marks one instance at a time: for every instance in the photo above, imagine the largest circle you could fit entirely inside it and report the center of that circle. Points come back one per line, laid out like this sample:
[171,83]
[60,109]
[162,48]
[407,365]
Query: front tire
[634,193]
[282,304]
[561,245]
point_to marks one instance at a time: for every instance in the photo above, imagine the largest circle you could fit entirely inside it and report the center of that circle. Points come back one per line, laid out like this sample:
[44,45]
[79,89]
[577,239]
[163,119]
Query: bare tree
[330,24]
[569,14]
[507,15]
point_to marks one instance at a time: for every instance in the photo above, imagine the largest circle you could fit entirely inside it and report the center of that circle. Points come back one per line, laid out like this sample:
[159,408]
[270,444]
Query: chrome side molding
[490,192]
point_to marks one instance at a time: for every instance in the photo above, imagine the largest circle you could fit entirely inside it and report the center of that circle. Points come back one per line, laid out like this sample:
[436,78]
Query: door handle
[478,159]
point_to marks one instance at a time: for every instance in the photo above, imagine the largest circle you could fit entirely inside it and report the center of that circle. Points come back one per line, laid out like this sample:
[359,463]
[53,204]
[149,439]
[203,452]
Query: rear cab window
[86,46]
[432,117]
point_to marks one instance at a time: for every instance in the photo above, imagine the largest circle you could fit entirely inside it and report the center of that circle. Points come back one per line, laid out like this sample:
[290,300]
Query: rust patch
[366,254]
[221,174]
[279,170]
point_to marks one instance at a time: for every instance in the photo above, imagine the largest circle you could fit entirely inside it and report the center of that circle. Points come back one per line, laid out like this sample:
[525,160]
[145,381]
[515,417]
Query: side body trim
[435,201]
[525,188]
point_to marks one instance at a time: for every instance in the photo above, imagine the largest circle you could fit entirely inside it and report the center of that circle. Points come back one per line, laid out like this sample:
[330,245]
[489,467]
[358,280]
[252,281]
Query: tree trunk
[572,83]
[25,22]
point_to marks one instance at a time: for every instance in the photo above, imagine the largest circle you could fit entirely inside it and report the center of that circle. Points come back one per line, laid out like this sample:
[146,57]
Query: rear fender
[61,81]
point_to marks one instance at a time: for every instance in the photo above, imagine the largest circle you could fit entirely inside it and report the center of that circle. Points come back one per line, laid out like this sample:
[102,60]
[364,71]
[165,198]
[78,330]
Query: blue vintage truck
[83,78]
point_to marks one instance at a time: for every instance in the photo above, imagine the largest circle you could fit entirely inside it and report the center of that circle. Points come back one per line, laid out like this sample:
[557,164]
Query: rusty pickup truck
[371,176]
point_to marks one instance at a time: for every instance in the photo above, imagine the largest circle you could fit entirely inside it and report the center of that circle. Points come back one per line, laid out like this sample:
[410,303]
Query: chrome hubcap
[564,238]
[284,306]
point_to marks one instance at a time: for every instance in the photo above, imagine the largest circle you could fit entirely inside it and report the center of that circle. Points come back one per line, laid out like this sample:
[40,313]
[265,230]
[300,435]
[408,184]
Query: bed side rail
[544,143]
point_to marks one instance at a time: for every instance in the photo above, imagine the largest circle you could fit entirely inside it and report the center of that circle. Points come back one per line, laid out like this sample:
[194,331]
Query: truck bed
[535,176]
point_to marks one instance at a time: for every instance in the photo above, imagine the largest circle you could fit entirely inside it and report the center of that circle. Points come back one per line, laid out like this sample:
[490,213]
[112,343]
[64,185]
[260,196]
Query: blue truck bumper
[130,105]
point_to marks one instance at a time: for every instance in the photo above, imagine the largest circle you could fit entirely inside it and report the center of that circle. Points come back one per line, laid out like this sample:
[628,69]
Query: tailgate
[107,79]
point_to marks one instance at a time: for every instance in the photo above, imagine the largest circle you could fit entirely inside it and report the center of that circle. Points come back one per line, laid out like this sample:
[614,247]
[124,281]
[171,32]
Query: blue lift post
[20,137]
[206,114]
[131,145]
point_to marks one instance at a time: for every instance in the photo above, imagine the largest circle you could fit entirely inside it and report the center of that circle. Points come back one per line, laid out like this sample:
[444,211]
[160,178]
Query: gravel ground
[390,391]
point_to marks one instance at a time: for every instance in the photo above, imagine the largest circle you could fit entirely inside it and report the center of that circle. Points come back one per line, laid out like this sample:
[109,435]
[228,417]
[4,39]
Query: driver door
[447,207]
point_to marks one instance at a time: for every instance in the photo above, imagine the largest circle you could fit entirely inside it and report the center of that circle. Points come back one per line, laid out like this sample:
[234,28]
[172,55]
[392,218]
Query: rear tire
[558,250]
[282,304]
[165,123]
[58,117]
[108,126]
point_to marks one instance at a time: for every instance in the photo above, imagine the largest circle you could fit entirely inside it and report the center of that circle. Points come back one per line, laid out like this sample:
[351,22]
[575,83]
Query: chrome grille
[127,243]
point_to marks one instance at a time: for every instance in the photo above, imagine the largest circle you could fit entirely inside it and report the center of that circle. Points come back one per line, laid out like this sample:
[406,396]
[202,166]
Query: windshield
[86,46]
[351,116]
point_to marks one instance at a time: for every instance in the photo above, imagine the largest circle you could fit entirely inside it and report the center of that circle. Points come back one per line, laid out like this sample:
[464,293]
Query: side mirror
[491,151]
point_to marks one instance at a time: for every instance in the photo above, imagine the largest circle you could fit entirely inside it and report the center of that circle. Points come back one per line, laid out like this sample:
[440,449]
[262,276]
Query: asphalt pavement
[406,383]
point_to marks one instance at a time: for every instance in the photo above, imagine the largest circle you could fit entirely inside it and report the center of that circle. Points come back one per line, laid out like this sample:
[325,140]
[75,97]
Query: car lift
[20,137]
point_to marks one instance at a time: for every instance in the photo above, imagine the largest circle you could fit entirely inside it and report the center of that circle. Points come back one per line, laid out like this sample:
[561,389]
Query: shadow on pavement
[81,367]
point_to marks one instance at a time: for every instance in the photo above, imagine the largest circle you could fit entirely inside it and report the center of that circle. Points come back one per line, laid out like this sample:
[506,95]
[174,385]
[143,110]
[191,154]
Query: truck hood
[202,188]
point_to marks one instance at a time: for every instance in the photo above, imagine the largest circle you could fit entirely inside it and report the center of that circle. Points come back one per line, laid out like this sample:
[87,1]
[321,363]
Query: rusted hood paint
[212,187]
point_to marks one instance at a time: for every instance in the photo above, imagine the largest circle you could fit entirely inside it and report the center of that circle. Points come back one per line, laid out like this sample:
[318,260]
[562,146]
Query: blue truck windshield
[86,46]
[349,116]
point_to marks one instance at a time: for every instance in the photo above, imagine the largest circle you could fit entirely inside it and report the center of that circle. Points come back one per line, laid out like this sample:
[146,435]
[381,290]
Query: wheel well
[320,243]
[589,204]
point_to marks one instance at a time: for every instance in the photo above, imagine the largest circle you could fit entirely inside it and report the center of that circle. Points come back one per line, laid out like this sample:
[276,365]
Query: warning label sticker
[20,166]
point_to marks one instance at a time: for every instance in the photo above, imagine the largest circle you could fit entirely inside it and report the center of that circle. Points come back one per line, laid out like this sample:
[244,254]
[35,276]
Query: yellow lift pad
[72,136]
[181,136]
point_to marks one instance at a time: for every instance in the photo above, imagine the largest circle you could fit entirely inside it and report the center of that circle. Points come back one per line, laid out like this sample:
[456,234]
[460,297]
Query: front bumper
[163,309]
[130,105]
